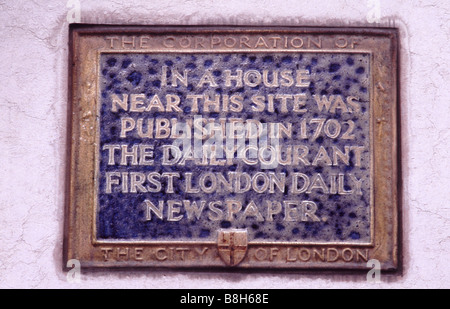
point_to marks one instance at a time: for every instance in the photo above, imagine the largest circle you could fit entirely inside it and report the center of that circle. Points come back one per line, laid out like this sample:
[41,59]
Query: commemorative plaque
[263,148]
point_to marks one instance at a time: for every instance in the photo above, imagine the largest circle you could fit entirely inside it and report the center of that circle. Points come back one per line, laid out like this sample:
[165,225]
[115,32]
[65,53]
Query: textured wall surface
[33,100]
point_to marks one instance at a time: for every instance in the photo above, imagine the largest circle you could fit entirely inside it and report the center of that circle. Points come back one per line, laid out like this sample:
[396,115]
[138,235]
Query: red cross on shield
[232,246]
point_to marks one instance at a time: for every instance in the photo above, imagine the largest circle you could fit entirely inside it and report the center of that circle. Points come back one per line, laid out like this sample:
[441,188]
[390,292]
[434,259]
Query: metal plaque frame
[232,248]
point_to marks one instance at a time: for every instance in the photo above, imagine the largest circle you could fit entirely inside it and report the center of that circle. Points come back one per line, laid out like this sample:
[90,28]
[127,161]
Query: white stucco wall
[33,104]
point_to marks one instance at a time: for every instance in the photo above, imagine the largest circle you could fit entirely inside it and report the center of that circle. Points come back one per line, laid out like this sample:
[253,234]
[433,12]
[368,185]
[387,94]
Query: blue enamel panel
[342,217]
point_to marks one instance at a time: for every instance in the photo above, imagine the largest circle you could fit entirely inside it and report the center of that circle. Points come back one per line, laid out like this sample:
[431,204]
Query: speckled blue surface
[120,216]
